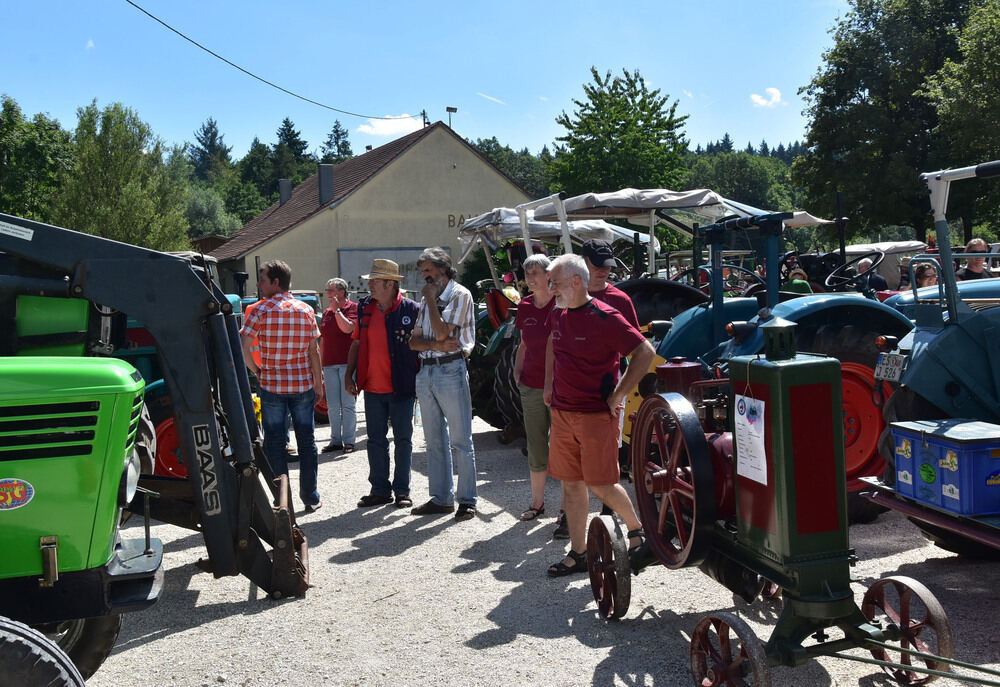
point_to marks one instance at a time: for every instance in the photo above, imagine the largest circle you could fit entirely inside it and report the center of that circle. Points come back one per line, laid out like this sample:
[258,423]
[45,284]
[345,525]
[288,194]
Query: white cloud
[688,93]
[773,98]
[90,44]
[490,97]
[392,125]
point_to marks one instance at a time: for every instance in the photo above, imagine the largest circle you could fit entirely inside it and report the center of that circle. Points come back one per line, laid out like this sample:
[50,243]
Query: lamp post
[450,110]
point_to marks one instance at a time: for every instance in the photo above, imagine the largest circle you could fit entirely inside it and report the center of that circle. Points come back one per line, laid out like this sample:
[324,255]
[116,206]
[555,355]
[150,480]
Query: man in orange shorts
[583,389]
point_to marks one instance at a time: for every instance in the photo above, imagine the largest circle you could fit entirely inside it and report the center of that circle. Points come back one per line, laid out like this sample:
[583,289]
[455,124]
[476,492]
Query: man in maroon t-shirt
[600,261]
[583,389]
[335,330]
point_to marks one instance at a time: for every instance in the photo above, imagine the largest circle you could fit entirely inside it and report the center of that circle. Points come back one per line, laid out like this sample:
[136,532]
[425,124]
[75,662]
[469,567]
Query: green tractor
[68,428]
[76,446]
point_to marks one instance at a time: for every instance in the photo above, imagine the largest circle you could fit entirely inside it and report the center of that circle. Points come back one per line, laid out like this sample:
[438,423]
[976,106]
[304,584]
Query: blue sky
[510,68]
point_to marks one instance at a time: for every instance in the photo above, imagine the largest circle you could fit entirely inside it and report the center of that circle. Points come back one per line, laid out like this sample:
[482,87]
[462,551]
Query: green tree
[256,169]
[206,213]
[622,134]
[210,157]
[966,94]
[35,156]
[289,159]
[751,179]
[337,147]
[529,171]
[870,131]
[121,187]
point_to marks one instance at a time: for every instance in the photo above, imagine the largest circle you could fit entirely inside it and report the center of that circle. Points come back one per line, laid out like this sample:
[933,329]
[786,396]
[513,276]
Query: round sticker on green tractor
[928,473]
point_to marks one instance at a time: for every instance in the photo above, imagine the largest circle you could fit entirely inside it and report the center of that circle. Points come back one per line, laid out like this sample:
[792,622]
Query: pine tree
[337,147]
[210,157]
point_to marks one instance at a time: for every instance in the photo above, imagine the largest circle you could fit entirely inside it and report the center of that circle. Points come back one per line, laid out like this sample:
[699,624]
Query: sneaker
[313,507]
[431,508]
[466,511]
[562,527]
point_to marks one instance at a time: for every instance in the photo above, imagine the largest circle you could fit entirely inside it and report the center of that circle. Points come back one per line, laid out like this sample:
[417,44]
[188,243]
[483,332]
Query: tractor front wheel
[30,659]
[88,641]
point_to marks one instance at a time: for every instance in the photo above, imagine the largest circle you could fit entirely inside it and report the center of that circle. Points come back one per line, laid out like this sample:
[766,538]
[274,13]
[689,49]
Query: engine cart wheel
[87,641]
[482,369]
[674,485]
[903,603]
[30,659]
[607,563]
[725,652]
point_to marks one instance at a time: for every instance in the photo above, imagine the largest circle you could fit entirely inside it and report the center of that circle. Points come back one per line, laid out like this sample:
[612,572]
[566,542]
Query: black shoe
[431,508]
[331,447]
[313,507]
[562,527]
[560,569]
[466,511]
[369,500]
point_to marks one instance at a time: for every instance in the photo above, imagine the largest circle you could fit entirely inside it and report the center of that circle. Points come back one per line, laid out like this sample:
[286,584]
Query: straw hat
[384,269]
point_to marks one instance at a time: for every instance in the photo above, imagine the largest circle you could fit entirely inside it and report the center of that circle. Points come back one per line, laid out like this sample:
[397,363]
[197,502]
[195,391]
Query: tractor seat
[498,307]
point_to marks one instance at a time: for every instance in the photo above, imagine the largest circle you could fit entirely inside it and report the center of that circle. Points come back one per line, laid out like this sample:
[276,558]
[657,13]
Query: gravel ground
[402,600]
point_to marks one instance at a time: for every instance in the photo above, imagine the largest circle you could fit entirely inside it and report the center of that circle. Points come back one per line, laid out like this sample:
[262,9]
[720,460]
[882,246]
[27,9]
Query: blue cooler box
[951,464]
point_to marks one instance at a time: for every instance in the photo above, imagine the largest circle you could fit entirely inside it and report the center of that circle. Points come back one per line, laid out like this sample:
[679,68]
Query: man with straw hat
[381,364]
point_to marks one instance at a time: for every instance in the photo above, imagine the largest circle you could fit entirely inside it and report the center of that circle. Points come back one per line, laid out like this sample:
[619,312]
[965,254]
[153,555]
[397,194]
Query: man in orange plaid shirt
[290,373]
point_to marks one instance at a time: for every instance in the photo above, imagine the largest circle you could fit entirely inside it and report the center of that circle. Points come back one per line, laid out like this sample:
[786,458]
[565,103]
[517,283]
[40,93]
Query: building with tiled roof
[390,202]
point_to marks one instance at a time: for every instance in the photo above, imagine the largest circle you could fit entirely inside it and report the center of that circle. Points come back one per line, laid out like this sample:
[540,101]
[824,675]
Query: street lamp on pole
[450,110]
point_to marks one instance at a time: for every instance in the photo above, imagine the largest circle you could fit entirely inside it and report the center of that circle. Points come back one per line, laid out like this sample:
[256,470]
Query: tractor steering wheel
[736,282]
[836,279]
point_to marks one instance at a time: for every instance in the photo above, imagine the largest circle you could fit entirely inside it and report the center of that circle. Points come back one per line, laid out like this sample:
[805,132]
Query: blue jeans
[339,405]
[273,410]
[446,413]
[380,410]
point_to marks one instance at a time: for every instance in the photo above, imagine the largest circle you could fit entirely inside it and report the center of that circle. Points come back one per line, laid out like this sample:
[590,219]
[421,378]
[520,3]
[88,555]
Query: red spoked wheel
[725,652]
[608,565]
[674,485]
[915,618]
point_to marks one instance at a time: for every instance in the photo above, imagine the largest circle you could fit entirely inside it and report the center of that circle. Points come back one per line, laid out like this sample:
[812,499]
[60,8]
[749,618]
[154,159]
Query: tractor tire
[482,369]
[852,344]
[87,641]
[660,299]
[30,659]
[505,391]
[145,442]
[956,543]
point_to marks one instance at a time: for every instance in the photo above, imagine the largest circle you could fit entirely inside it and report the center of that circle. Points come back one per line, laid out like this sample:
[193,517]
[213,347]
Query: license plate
[889,367]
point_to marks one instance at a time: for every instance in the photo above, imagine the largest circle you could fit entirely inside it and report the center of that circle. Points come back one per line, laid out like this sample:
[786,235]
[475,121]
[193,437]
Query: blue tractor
[947,372]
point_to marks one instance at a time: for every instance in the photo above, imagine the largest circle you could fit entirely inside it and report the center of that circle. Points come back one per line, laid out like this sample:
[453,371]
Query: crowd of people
[575,330]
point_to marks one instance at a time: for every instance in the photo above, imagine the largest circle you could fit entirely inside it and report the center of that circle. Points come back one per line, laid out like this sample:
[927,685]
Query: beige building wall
[418,200]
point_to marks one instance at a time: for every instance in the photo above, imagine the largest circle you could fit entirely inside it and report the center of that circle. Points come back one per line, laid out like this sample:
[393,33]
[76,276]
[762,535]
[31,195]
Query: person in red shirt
[582,387]
[381,364]
[529,371]
[339,321]
[289,374]
[600,261]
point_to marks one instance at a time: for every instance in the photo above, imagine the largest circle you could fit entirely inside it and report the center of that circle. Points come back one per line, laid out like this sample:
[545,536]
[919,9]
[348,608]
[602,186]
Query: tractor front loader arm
[229,494]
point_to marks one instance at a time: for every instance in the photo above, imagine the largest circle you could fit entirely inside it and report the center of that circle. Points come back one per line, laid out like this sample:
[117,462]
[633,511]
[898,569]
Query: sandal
[640,555]
[348,448]
[560,569]
[533,513]
[403,501]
